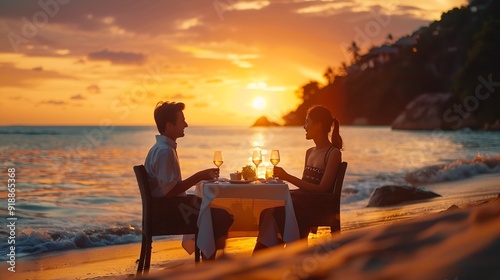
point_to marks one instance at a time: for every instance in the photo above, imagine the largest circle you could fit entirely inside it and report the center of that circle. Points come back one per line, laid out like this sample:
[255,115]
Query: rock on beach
[392,195]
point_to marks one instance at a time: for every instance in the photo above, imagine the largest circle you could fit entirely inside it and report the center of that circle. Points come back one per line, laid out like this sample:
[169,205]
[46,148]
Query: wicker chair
[156,221]
[323,209]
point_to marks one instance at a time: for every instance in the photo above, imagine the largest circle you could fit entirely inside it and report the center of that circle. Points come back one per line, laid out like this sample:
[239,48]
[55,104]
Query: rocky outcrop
[263,121]
[392,195]
[436,111]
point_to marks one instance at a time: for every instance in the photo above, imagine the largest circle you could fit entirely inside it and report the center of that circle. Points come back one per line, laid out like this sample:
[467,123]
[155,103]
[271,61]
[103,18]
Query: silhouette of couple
[164,174]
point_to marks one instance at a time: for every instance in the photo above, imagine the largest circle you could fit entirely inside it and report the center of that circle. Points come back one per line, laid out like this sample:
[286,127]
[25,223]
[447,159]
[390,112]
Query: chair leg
[140,265]
[149,246]
[196,249]
[335,228]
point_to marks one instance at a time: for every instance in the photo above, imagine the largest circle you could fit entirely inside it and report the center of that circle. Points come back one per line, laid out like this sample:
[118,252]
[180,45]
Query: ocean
[75,187]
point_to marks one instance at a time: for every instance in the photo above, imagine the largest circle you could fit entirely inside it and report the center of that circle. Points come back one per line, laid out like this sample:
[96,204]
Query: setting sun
[259,103]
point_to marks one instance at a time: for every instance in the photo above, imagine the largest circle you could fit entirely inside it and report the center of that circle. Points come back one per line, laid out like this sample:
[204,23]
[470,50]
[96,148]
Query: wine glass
[257,159]
[274,157]
[218,158]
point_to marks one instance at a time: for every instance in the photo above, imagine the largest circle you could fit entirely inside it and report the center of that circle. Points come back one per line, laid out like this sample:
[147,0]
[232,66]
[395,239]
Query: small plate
[274,181]
[240,181]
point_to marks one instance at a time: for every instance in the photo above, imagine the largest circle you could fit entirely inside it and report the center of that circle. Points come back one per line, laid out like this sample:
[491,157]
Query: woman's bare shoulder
[309,150]
[335,155]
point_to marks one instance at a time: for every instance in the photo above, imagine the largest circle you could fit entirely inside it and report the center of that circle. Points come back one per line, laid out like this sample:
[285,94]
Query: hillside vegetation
[459,54]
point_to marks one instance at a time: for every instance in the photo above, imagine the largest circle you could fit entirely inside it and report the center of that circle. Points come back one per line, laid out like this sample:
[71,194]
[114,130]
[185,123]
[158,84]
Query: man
[164,174]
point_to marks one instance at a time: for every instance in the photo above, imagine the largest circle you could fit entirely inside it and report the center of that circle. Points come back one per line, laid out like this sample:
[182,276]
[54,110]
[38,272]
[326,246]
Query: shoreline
[118,261]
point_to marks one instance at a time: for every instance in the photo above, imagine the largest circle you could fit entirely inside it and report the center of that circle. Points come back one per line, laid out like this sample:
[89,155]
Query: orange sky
[87,62]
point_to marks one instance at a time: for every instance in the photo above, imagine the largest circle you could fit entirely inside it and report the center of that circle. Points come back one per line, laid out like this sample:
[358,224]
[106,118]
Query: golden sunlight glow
[430,10]
[249,5]
[259,103]
[186,24]
[238,59]
[61,52]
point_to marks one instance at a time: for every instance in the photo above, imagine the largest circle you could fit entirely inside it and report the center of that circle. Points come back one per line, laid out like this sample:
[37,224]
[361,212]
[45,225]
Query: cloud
[218,53]
[118,57]
[15,97]
[213,81]
[409,8]
[201,104]
[93,89]
[180,96]
[248,5]
[20,77]
[54,102]
[80,61]
[77,97]
[155,28]
[326,8]
[188,23]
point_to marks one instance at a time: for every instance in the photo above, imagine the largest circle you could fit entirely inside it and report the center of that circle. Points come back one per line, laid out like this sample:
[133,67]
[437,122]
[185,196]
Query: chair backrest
[142,180]
[324,208]
[339,180]
[160,216]
[337,187]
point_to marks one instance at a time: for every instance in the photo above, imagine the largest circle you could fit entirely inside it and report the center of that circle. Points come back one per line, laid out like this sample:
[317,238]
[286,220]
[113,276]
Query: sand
[414,241]
[455,244]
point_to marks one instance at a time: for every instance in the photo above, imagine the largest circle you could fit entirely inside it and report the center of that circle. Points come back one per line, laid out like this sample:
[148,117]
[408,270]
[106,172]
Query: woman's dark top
[313,174]
[302,205]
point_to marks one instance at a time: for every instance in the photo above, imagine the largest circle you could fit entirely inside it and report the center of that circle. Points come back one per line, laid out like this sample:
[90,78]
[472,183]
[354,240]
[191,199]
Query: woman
[320,171]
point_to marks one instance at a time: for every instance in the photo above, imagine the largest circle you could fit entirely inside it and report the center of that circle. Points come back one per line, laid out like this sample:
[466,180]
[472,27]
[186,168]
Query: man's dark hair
[166,112]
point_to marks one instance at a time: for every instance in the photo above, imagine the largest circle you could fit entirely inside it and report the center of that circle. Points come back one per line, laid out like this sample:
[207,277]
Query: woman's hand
[280,173]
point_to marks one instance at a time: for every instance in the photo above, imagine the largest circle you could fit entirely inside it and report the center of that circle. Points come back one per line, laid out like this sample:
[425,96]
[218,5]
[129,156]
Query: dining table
[245,200]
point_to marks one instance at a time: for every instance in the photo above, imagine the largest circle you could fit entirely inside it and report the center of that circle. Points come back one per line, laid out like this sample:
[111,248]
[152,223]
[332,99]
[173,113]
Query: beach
[79,210]
[385,242]
[455,244]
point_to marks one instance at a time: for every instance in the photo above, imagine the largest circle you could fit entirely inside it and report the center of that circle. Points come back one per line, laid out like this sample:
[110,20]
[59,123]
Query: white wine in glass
[257,159]
[218,158]
[275,157]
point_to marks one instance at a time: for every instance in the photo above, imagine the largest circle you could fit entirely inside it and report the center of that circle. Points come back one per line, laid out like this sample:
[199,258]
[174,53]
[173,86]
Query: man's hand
[209,174]
[182,186]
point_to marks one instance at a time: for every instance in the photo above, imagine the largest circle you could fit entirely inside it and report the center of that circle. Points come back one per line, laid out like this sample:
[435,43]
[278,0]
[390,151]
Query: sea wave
[67,130]
[33,242]
[36,132]
[455,170]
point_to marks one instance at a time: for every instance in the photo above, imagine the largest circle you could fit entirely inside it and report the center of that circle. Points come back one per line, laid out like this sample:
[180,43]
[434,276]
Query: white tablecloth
[212,193]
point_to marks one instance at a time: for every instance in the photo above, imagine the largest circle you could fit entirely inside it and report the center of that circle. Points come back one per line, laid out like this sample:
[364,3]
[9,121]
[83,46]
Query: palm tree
[329,75]
[354,50]
[342,69]
[389,38]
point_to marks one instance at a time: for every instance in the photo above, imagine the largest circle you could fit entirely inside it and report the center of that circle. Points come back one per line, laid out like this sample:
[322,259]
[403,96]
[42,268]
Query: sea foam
[455,170]
[31,242]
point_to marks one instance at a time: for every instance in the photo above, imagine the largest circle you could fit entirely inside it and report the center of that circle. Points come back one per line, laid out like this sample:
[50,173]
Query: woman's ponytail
[336,139]
[321,114]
